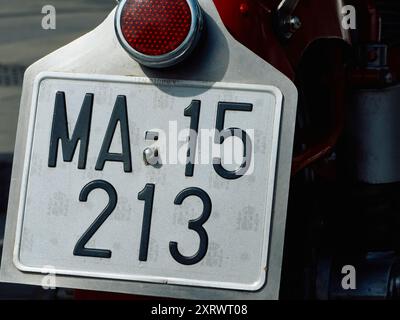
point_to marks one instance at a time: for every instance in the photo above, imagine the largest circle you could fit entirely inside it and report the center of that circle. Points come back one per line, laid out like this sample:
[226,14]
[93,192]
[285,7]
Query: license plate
[117,186]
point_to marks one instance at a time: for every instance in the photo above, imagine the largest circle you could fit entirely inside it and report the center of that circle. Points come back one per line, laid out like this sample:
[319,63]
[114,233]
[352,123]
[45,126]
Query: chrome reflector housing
[158,22]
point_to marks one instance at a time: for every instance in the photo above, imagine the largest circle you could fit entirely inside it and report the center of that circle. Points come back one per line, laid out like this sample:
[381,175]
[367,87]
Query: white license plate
[95,209]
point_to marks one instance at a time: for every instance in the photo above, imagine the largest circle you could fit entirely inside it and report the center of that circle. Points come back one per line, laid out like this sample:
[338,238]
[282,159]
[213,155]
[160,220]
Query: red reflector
[159,33]
[156,27]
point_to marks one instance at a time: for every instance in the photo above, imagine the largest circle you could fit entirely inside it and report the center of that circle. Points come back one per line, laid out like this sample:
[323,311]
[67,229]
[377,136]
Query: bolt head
[150,156]
[295,23]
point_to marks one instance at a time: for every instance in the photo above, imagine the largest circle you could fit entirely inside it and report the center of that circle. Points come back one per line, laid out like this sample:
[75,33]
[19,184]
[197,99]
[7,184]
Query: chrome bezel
[173,57]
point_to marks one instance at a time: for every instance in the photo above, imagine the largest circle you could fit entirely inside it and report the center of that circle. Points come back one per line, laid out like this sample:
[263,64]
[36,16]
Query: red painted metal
[253,28]
[250,22]
[320,20]
[394,61]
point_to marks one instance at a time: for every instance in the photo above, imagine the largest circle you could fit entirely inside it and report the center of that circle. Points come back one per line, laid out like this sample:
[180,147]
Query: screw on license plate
[151,156]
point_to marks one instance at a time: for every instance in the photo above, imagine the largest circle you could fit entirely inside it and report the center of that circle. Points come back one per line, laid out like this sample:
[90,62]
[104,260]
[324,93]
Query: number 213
[146,195]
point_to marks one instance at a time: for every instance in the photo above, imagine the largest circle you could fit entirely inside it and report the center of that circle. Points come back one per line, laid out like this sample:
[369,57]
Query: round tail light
[158,33]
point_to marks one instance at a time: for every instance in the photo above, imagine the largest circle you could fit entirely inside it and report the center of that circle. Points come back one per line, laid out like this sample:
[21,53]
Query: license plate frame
[170,280]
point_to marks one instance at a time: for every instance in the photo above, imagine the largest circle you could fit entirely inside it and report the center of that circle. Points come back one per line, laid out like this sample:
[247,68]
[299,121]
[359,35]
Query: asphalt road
[23,41]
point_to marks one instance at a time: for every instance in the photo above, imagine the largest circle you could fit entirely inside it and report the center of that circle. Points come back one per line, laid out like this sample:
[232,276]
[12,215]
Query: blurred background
[22,42]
